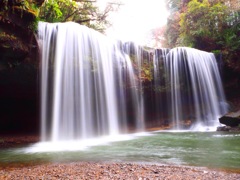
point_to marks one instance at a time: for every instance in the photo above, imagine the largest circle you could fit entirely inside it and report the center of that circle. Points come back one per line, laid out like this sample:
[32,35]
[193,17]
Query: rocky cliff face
[18,65]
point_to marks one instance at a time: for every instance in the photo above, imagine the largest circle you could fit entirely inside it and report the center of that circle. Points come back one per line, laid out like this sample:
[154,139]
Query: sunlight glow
[135,19]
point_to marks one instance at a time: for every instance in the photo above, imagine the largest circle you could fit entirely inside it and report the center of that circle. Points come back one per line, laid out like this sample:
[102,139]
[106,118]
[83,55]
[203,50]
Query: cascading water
[196,88]
[91,86]
[79,95]
[137,90]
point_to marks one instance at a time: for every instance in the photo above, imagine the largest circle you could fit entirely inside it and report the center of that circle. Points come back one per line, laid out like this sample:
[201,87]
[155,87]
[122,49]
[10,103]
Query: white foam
[78,145]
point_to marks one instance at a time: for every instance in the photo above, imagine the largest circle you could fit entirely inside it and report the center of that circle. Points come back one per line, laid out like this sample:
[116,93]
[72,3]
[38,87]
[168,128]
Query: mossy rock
[25,14]
[12,46]
[18,23]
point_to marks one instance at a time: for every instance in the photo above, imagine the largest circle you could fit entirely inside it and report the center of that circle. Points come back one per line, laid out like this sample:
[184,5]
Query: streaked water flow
[92,86]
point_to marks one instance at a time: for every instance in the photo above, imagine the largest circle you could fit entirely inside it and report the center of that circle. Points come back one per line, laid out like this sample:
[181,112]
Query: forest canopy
[84,12]
[210,25]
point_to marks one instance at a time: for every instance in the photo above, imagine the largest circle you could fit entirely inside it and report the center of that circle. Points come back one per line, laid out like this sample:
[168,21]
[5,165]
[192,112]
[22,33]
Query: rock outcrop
[231,122]
[228,129]
[18,65]
[231,119]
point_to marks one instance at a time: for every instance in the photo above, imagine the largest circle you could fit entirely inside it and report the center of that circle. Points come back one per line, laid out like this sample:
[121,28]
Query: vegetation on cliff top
[210,25]
[80,11]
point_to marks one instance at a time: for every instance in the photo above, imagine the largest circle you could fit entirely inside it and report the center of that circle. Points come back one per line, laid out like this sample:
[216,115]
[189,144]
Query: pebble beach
[112,170]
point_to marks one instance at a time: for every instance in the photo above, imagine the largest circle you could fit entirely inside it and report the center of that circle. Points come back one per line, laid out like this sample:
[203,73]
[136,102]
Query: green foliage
[230,46]
[216,52]
[23,5]
[82,12]
[27,10]
[53,11]
[202,21]
[33,26]
[207,25]
[146,72]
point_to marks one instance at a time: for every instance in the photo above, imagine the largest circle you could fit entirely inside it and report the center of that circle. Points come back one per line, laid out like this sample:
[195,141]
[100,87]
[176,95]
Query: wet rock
[228,129]
[231,119]
[19,61]
[223,128]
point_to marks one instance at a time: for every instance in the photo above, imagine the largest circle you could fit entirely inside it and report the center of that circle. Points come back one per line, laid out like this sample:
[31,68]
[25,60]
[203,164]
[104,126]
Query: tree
[172,30]
[81,11]
[210,25]
[202,24]
[175,7]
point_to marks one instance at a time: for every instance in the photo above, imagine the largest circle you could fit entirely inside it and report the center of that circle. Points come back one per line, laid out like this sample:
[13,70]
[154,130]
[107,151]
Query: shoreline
[112,170]
[14,141]
[102,169]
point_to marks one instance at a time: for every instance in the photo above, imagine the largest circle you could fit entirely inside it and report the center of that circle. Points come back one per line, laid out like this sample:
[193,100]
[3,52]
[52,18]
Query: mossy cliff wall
[18,66]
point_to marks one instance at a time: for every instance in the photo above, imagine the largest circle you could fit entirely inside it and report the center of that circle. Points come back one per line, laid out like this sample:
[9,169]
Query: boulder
[231,119]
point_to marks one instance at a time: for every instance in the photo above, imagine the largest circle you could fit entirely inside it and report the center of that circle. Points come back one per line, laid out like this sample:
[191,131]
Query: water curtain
[93,86]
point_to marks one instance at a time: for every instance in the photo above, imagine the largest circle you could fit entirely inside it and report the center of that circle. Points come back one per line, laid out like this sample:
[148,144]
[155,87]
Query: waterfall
[93,86]
[78,83]
[196,89]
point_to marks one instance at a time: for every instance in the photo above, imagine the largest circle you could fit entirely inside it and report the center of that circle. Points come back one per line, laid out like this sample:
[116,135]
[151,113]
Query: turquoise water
[205,149]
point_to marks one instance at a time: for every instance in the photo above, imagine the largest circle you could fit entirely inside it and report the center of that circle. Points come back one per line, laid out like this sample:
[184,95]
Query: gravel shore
[109,170]
[101,170]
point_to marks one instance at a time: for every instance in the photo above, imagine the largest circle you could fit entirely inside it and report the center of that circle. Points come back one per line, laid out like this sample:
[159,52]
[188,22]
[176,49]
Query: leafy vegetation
[81,11]
[210,25]
[202,24]
[27,11]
